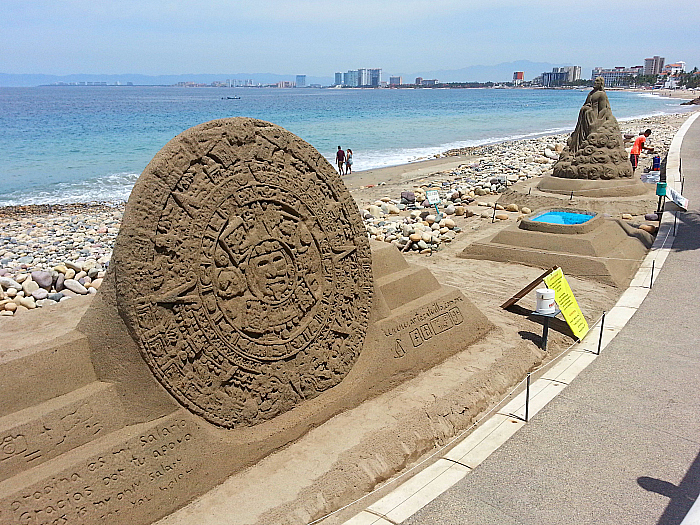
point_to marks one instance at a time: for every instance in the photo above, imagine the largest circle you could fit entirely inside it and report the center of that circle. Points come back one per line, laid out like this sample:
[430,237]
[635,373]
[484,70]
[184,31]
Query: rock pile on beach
[49,256]
[411,222]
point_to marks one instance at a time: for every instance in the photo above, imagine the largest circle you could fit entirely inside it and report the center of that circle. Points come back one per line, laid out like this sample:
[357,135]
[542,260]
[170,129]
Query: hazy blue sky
[319,37]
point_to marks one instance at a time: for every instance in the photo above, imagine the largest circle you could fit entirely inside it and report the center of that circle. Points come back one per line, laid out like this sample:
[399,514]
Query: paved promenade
[621,443]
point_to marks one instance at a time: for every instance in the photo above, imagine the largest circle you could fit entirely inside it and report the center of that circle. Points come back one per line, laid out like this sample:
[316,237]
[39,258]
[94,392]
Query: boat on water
[230,98]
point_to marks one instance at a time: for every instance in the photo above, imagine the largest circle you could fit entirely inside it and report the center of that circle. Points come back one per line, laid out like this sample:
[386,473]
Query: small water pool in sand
[563,217]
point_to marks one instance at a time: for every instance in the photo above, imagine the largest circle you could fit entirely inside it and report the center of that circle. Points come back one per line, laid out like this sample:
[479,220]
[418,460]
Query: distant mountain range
[495,73]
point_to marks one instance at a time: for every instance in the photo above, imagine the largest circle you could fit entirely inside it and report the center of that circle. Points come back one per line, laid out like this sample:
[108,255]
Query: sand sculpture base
[602,249]
[595,188]
[89,436]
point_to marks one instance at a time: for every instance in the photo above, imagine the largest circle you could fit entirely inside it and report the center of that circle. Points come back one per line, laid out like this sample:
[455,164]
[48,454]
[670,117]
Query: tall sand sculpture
[244,306]
[595,149]
[594,162]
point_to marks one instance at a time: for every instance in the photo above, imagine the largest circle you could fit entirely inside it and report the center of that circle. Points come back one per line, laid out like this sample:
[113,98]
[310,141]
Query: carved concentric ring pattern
[243,271]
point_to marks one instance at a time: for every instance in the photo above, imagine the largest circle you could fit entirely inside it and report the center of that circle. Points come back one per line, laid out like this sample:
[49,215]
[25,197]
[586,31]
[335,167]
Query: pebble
[74,266]
[42,278]
[45,302]
[39,294]
[27,302]
[75,286]
[28,286]
[7,282]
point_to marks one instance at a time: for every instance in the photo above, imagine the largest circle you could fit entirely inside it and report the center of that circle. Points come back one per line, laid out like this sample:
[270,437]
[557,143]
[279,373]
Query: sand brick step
[134,475]
[42,356]
[405,285]
[37,434]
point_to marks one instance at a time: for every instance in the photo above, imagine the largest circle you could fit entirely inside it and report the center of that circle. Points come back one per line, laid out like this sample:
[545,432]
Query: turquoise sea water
[80,144]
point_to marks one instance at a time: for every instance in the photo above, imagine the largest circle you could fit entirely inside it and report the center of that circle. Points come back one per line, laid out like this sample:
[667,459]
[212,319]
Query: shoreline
[688,94]
[399,173]
[452,159]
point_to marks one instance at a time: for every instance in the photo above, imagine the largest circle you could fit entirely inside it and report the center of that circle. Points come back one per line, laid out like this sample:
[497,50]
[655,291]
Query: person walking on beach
[348,162]
[637,148]
[340,159]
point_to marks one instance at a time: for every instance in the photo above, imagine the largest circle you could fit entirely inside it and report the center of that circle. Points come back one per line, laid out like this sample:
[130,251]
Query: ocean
[64,144]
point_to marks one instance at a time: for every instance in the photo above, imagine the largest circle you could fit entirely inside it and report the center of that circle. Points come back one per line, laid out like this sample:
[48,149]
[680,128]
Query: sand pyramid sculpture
[595,149]
[244,306]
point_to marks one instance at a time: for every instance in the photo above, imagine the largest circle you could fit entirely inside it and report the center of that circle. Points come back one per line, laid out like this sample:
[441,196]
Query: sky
[320,37]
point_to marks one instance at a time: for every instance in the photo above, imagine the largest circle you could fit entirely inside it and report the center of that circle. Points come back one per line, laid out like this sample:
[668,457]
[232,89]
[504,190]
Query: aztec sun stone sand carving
[244,271]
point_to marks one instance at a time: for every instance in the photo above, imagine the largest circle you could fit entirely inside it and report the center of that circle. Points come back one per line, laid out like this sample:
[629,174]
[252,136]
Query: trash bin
[661,189]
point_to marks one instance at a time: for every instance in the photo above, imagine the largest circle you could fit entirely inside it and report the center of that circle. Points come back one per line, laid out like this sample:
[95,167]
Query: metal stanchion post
[527,398]
[493,219]
[651,280]
[600,337]
[545,333]
[675,221]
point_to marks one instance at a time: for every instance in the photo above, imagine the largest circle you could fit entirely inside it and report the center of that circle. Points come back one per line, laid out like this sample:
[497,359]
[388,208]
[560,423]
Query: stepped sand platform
[602,249]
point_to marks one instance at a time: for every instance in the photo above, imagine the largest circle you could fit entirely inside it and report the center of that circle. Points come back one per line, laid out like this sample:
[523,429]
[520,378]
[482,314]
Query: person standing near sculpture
[348,162]
[340,159]
[638,147]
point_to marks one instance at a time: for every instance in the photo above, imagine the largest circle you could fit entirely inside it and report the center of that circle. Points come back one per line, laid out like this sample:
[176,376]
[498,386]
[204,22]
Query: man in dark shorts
[637,148]
[340,159]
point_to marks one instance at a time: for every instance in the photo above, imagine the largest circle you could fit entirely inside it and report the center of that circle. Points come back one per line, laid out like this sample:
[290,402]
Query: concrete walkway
[621,443]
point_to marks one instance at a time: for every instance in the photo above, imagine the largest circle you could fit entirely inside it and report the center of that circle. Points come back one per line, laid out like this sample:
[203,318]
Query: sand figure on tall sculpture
[595,149]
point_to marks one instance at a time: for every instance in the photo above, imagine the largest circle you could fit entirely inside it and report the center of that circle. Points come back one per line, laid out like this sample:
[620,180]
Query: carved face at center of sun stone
[243,271]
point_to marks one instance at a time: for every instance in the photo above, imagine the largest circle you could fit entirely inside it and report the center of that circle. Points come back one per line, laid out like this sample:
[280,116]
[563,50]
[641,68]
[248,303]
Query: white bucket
[545,301]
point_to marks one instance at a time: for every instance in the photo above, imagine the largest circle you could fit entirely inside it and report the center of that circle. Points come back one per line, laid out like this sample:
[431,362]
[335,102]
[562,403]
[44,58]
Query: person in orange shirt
[637,148]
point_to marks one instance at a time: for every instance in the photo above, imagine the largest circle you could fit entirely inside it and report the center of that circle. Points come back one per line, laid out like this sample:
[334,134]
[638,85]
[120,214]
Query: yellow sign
[567,303]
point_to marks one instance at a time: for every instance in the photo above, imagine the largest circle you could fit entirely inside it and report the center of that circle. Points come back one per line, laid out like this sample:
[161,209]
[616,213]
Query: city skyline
[317,37]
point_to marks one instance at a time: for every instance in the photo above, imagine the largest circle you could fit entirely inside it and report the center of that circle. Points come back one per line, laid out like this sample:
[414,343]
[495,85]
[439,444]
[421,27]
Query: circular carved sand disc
[243,271]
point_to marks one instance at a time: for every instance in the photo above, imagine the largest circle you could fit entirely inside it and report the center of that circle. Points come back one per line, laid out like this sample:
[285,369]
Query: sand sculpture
[595,149]
[602,249]
[243,307]
[239,278]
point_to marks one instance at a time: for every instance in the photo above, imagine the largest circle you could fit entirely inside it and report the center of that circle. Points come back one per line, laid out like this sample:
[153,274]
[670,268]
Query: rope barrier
[441,449]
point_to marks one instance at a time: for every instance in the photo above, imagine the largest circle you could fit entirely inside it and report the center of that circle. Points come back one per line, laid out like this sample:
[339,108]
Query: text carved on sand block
[244,273]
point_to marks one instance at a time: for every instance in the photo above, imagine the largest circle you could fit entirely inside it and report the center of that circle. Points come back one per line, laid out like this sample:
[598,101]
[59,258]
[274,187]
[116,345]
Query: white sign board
[433,196]
[676,197]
